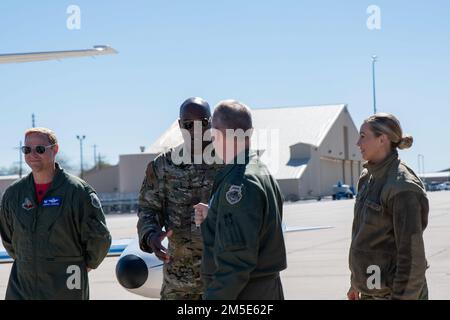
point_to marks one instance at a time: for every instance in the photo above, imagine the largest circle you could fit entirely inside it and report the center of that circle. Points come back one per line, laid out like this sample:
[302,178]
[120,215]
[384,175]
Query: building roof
[13,177]
[310,123]
[287,125]
[170,138]
[433,175]
[293,125]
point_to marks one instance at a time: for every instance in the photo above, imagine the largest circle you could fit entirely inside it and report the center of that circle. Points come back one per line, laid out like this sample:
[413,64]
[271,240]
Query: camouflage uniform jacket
[391,213]
[167,196]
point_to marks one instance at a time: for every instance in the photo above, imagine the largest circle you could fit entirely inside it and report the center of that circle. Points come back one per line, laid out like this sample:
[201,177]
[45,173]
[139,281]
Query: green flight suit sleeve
[410,213]
[236,242]
[95,236]
[150,207]
[6,227]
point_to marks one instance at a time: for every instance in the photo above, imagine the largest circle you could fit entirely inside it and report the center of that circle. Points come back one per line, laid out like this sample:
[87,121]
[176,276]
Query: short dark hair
[232,114]
[195,102]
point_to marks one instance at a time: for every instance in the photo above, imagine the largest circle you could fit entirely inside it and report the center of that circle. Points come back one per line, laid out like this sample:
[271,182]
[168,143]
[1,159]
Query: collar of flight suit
[229,167]
[380,169]
[57,181]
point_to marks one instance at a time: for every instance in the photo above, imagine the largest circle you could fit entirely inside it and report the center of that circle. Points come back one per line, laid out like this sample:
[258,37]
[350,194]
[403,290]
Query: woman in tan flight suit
[387,255]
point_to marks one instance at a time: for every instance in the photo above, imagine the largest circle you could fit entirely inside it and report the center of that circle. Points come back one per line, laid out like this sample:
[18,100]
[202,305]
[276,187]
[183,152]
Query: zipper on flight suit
[363,198]
[33,230]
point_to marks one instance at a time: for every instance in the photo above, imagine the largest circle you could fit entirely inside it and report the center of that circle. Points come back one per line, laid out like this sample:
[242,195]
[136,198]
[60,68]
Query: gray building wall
[5,182]
[105,180]
[132,169]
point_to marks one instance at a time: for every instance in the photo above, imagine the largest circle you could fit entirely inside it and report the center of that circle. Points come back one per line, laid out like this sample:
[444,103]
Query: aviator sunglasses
[189,124]
[38,149]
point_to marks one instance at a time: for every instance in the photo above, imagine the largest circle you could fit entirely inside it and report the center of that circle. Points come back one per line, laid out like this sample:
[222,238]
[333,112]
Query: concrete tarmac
[317,260]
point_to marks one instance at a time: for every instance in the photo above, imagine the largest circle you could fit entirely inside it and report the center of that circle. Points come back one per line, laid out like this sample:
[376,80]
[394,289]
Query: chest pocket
[373,213]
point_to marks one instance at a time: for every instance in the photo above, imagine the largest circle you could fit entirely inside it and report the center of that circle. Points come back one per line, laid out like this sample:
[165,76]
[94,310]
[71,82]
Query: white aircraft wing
[116,249]
[118,246]
[287,229]
[4,257]
[55,55]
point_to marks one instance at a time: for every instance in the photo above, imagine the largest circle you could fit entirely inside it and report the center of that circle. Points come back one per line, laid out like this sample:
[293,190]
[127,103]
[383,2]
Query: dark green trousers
[265,288]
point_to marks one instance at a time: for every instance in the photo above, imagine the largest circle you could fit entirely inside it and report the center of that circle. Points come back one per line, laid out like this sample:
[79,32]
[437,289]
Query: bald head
[195,108]
[232,114]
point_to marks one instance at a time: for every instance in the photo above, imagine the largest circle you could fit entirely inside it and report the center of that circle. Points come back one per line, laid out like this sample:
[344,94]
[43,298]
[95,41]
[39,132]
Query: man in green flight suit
[52,225]
[244,248]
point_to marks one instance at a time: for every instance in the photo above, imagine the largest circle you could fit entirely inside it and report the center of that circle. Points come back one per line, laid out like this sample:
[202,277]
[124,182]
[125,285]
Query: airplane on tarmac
[137,271]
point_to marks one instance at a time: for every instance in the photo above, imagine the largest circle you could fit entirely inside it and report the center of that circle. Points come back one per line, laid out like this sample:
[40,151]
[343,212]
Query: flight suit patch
[234,194]
[51,202]
[27,204]
[95,201]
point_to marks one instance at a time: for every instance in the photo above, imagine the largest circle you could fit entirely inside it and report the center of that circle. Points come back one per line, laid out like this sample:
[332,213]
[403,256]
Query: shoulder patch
[234,194]
[95,201]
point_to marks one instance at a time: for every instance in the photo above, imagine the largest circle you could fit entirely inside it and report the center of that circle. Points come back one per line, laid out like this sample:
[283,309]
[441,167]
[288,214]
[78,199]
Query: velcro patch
[27,204]
[234,194]
[51,202]
[95,201]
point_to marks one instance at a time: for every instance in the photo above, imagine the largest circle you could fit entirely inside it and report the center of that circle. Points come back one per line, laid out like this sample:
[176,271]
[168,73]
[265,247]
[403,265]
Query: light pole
[95,157]
[374,59]
[81,139]
[421,165]
[20,159]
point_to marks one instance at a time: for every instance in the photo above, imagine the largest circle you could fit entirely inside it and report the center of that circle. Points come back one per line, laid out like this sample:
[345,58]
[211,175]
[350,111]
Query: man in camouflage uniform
[170,190]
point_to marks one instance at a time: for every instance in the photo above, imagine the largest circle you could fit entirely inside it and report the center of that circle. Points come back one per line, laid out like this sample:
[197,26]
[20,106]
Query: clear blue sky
[265,53]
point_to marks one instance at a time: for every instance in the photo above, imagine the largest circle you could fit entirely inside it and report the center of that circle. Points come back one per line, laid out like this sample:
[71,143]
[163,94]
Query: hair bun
[406,142]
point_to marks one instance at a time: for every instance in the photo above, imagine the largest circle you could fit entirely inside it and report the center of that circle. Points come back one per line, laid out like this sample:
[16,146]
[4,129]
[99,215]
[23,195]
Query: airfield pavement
[317,260]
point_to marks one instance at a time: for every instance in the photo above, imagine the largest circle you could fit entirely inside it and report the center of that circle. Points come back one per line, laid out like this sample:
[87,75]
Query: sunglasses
[38,149]
[189,124]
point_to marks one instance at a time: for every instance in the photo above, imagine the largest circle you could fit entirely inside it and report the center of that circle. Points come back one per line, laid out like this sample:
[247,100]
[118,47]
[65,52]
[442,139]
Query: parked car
[341,191]
[444,186]
[432,186]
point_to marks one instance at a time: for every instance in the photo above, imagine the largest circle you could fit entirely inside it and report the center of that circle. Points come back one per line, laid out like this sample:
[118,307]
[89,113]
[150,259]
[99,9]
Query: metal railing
[119,202]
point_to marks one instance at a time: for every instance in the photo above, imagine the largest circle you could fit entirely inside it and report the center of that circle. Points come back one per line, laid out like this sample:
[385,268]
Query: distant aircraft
[99,50]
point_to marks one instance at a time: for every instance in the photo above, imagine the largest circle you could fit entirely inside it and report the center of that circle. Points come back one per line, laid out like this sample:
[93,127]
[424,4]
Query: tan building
[308,150]
[317,148]
[105,180]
